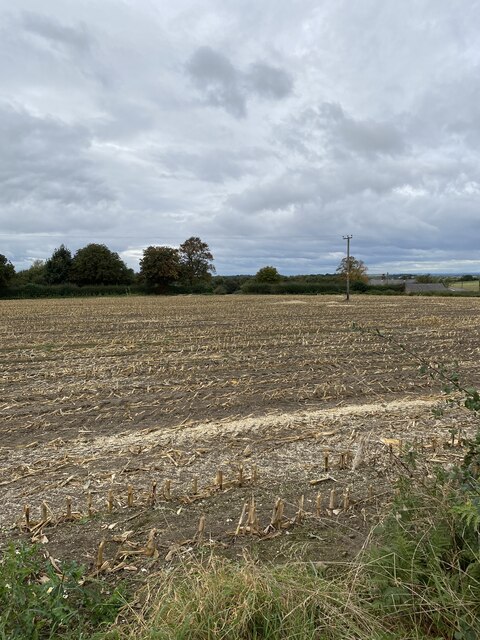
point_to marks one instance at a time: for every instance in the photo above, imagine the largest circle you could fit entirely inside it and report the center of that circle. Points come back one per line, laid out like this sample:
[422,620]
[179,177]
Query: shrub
[69,291]
[37,602]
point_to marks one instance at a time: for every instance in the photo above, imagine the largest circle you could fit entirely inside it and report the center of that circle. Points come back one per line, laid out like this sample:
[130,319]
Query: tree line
[96,270]
[96,265]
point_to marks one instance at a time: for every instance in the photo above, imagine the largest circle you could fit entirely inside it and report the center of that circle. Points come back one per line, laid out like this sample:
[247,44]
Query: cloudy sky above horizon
[269,128]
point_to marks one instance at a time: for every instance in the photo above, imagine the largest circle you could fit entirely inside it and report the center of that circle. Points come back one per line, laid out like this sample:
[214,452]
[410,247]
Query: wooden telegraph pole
[348,238]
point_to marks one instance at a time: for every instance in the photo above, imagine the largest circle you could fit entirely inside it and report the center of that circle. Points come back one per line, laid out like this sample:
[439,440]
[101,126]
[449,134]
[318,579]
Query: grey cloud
[366,137]
[269,82]
[215,75]
[215,164]
[47,161]
[226,86]
[331,179]
[273,195]
[67,37]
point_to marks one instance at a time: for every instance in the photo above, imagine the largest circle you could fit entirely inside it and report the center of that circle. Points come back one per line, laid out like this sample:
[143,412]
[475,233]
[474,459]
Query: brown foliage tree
[358,270]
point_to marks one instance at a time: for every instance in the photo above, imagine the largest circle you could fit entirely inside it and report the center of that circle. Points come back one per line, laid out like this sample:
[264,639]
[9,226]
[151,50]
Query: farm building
[378,281]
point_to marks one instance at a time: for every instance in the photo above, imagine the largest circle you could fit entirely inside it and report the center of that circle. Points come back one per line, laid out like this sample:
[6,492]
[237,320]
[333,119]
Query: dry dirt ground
[152,427]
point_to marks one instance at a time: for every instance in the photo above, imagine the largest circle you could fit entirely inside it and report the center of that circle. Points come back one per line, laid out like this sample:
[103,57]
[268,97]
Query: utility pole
[348,238]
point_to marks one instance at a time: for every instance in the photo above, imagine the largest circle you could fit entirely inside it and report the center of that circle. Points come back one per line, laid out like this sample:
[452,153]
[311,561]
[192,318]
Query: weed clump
[40,600]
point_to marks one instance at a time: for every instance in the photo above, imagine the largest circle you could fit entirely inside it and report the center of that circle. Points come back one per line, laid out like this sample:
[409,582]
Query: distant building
[379,281]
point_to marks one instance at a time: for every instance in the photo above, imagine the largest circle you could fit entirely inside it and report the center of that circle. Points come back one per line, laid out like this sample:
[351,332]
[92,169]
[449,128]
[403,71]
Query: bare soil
[105,394]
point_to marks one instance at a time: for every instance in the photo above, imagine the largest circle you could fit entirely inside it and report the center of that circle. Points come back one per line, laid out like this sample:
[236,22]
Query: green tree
[358,270]
[160,267]
[35,274]
[195,261]
[426,278]
[96,264]
[7,271]
[59,266]
[268,274]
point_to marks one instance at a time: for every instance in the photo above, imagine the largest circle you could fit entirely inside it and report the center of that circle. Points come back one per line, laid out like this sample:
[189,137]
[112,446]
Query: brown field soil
[99,395]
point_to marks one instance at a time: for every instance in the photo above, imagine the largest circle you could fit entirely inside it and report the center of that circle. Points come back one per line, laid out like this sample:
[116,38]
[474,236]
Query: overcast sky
[269,128]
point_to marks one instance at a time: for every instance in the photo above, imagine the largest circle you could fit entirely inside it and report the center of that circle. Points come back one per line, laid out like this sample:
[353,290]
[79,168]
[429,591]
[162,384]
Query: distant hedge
[68,291]
[381,289]
[250,286]
[31,290]
[317,288]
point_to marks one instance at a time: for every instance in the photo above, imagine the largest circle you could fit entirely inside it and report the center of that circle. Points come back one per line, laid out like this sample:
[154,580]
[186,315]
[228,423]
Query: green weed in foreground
[423,573]
[38,604]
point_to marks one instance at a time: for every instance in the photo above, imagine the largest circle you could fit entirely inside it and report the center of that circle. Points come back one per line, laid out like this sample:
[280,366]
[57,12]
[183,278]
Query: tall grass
[228,600]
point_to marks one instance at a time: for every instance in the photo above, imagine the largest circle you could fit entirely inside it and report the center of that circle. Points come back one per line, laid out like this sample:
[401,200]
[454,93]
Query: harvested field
[191,416]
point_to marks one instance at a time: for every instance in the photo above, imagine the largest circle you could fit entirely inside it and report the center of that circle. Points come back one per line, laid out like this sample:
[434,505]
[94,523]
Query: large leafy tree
[59,266]
[7,271]
[160,267]
[96,264]
[358,270]
[267,274]
[196,261]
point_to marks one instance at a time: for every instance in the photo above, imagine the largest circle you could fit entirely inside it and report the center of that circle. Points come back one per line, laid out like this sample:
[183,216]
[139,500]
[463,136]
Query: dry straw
[200,530]
[150,548]
[152,499]
[89,505]
[44,512]
[300,512]
[69,508]
[277,515]
[100,551]
[110,501]
[331,504]
[239,528]
[167,489]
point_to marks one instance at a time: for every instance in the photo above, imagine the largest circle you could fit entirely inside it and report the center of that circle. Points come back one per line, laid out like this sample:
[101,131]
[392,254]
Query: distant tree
[160,267]
[195,261]
[229,284]
[7,271]
[426,279]
[358,270]
[96,264]
[35,274]
[59,266]
[268,274]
